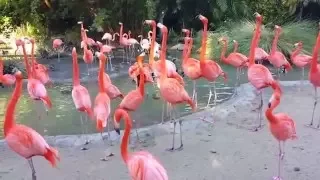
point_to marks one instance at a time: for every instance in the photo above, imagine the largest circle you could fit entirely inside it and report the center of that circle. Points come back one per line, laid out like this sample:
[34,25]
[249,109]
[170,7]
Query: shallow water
[63,118]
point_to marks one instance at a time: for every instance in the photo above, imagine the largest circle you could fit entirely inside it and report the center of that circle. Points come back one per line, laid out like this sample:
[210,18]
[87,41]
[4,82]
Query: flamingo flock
[162,73]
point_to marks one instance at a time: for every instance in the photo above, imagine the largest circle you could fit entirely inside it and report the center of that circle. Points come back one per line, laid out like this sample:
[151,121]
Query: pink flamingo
[234,59]
[107,37]
[6,79]
[300,60]
[190,66]
[23,140]
[80,94]
[144,43]
[314,75]
[258,75]
[276,57]
[141,165]
[133,100]
[281,125]
[56,44]
[36,89]
[126,41]
[210,70]
[170,89]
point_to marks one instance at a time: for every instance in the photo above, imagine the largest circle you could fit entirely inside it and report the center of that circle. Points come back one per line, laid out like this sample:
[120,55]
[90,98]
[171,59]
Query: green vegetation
[292,32]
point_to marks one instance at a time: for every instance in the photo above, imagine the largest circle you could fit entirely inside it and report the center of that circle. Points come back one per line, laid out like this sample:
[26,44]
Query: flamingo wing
[260,54]
[132,100]
[259,76]
[81,97]
[113,91]
[301,60]
[285,128]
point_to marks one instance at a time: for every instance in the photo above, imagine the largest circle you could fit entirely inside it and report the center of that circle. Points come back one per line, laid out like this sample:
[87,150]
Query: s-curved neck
[275,42]
[314,61]
[153,40]
[204,41]
[125,140]
[296,52]
[223,51]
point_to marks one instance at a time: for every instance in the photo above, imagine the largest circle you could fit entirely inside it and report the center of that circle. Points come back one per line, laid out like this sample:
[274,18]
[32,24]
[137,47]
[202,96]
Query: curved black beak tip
[269,105]
[117,130]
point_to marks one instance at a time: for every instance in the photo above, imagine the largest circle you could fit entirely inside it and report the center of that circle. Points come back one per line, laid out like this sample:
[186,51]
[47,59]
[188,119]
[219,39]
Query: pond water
[64,119]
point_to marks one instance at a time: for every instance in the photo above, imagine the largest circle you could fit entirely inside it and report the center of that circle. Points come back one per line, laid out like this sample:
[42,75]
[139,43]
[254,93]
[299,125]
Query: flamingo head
[120,23]
[222,40]
[298,44]
[258,17]
[106,49]
[186,31]
[150,22]
[80,22]
[17,73]
[203,19]
[274,100]
[19,42]
[163,28]
[277,28]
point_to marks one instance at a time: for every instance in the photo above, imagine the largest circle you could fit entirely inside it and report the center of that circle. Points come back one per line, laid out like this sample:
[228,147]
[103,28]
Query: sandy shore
[227,150]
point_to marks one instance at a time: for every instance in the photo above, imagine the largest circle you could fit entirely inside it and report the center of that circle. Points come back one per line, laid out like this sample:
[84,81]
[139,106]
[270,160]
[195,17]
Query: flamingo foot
[84,149]
[170,149]
[86,142]
[180,148]
[276,178]
[256,129]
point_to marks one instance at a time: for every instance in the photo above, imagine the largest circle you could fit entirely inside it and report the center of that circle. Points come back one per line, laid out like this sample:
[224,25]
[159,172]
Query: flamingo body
[259,76]
[102,110]
[37,91]
[81,99]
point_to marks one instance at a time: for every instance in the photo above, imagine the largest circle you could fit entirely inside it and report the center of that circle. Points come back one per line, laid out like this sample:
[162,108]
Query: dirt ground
[226,150]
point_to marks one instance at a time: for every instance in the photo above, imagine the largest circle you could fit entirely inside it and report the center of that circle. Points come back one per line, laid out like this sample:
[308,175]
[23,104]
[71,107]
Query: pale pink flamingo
[107,37]
[56,44]
[126,41]
[277,58]
[281,125]
[258,75]
[210,70]
[300,60]
[141,165]
[170,89]
[80,94]
[314,75]
[23,140]
[6,79]
[234,59]
[144,43]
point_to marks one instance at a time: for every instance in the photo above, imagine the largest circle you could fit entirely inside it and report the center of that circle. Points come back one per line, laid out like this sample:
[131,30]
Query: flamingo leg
[314,105]
[174,132]
[210,95]
[260,112]
[215,94]
[88,69]
[34,177]
[278,177]
[59,56]
[83,132]
[302,78]
[110,61]
[123,54]
[181,143]
[162,117]
[108,152]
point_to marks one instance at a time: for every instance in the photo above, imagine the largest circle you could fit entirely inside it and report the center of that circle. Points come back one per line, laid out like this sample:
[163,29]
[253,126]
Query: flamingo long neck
[75,68]
[26,61]
[296,52]
[223,51]
[254,43]
[129,34]
[32,59]
[141,83]
[114,36]
[1,67]
[164,73]
[270,116]
[153,40]
[141,38]
[275,42]
[121,32]
[204,42]
[188,53]
[314,61]
[125,139]
[9,121]
[101,73]
[185,52]
[235,47]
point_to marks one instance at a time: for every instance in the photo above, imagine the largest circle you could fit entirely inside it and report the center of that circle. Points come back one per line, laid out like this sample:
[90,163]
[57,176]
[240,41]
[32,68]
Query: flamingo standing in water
[234,59]
[170,89]
[22,139]
[300,60]
[190,66]
[36,89]
[126,41]
[56,44]
[6,79]
[314,75]
[80,94]
[144,43]
[210,70]
[141,165]
[276,57]
[133,100]
[281,125]
[258,75]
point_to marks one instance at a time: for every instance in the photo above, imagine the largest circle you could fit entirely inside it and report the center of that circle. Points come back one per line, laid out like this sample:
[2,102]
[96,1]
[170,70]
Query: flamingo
[300,60]
[190,66]
[80,94]
[281,125]
[276,57]
[36,89]
[126,41]
[23,140]
[56,44]
[107,37]
[141,165]
[234,59]
[144,43]
[170,89]
[133,100]
[210,70]
[314,75]
[258,75]
[6,79]
[40,71]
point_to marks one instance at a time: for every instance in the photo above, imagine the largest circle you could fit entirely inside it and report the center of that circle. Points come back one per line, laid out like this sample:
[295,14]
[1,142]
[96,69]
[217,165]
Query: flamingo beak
[269,105]
[117,130]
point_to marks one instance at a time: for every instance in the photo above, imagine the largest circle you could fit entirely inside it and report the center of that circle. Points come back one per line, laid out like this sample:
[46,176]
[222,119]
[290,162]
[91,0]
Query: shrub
[242,31]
